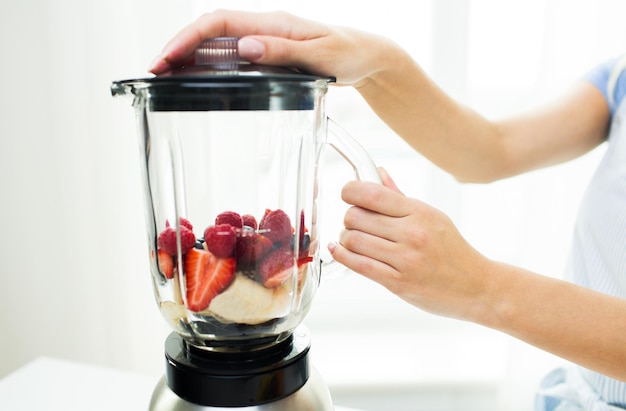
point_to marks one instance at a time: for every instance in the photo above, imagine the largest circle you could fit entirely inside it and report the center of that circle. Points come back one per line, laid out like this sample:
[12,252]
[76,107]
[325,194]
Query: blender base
[313,396]
[278,378]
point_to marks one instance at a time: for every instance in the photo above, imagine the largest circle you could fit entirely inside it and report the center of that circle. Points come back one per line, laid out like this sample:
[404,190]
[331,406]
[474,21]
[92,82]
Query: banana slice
[173,312]
[245,301]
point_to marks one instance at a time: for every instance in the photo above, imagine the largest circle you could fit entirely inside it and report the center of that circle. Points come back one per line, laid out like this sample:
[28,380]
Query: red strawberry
[167,240]
[206,277]
[229,217]
[251,247]
[277,267]
[250,221]
[165,263]
[221,240]
[305,239]
[267,211]
[276,226]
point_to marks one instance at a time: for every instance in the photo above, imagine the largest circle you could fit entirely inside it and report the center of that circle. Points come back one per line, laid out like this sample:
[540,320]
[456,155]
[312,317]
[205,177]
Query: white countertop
[58,385]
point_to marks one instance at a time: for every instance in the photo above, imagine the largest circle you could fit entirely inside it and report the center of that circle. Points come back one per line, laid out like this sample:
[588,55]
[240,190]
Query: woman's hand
[412,249]
[416,252]
[281,39]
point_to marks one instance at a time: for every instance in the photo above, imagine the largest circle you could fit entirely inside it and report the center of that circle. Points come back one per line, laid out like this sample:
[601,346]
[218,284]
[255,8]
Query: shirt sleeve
[599,77]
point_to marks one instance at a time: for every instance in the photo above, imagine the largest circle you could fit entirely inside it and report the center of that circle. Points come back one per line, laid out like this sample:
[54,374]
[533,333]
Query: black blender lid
[220,80]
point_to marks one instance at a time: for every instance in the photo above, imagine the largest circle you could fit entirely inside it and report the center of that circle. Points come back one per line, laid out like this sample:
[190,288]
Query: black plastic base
[237,379]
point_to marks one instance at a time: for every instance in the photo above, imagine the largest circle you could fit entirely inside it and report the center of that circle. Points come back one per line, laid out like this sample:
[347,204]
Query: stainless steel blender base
[313,396]
[278,377]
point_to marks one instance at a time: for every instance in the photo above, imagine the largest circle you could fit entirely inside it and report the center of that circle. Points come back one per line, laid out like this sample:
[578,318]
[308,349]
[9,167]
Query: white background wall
[73,267]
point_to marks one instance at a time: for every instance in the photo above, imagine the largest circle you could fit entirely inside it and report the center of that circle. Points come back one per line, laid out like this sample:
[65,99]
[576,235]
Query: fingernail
[331,247]
[158,65]
[251,49]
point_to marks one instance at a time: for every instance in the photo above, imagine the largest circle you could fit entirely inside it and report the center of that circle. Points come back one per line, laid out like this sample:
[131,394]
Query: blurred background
[73,267]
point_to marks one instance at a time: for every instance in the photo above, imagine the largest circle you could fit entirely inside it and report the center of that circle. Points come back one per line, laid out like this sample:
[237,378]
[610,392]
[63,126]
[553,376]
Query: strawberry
[165,263]
[304,260]
[167,240]
[251,247]
[305,238]
[206,276]
[276,226]
[229,217]
[250,221]
[221,240]
[267,211]
[277,267]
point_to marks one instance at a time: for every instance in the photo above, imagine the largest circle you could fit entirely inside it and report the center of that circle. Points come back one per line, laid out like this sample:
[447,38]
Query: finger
[377,198]
[181,47]
[379,225]
[233,24]
[366,244]
[366,266]
[387,180]
[280,51]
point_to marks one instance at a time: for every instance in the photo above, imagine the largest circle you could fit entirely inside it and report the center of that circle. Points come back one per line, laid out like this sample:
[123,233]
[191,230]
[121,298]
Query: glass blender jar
[230,156]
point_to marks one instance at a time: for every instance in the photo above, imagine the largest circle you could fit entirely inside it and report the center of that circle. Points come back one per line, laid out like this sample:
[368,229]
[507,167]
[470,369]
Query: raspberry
[167,240]
[276,226]
[250,221]
[182,221]
[229,217]
[220,240]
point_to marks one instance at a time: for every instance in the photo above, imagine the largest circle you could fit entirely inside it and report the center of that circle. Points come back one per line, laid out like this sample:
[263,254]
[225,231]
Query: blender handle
[353,152]
[364,169]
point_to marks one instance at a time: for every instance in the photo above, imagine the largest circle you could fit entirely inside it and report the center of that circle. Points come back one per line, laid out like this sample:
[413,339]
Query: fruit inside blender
[239,275]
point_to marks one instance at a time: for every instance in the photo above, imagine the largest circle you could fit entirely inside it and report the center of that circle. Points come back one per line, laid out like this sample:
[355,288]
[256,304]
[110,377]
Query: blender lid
[219,79]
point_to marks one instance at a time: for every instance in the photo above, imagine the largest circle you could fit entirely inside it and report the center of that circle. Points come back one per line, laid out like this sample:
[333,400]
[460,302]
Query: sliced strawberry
[165,262]
[304,260]
[276,226]
[277,267]
[267,212]
[206,276]
[305,239]
[251,247]
[221,240]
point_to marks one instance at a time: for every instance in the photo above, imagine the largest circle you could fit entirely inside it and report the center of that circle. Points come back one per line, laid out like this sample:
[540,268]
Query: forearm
[453,137]
[572,322]
[469,146]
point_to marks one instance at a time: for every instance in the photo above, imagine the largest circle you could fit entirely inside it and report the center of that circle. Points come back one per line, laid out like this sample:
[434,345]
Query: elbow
[482,175]
[464,179]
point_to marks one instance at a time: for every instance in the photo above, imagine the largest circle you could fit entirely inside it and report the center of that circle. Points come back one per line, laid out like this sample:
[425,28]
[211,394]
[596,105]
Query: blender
[231,153]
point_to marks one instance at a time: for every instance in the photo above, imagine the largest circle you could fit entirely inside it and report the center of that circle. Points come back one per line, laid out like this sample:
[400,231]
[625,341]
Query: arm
[455,138]
[417,253]
[473,148]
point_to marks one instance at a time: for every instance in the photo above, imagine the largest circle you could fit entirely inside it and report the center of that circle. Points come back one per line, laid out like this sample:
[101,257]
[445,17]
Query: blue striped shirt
[598,253]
